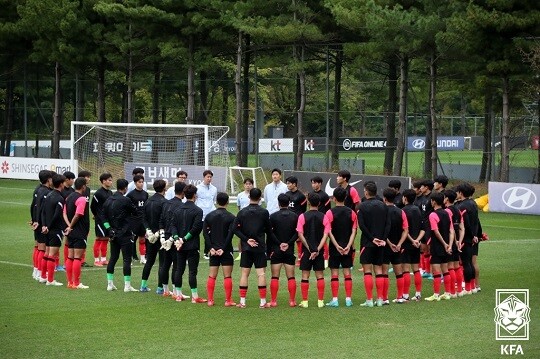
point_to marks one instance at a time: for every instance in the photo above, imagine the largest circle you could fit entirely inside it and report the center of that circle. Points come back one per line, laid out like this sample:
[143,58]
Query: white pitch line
[15,203]
[16,264]
[524,228]
[511,241]
[84,269]
[17,189]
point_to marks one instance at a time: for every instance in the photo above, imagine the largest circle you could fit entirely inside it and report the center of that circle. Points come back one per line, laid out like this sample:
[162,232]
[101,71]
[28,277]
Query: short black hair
[104,176]
[159,185]
[314,199]
[80,182]
[395,184]
[317,179]
[417,184]
[276,170]
[390,194]
[250,180]
[371,188]
[121,184]
[292,179]
[283,200]
[208,172]
[69,175]
[466,189]
[442,179]
[344,174]
[427,183]
[179,173]
[137,171]
[179,187]
[44,176]
[58,179]
[410,194]
[190,191]
[222,198]
[451,195]
[137,178]
[340,194]
[438,197]
[255,194]
[85,174]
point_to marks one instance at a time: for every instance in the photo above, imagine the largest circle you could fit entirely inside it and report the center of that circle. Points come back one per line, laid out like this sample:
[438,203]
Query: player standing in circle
[353,199]
[87,192]
[117,212]
[424,203]
[313,228]
[454,268]
[131,186]
[399,230]
[152,215]
[218,233]
[281,249]
[186,226]
[442,236]
[138,197]
[396,185]
[251,225]
[206,197]
[272,191]
[375,228]
[324,206]
[343,224]
[439,183]
[242,199]
[181,176]
[78,226]
[98,200]
[411,253]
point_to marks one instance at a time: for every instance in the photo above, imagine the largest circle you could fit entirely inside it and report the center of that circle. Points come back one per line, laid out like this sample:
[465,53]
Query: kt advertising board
[514,197]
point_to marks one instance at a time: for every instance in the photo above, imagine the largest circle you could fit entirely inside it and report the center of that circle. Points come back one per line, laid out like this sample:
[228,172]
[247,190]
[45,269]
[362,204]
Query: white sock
[165,288]
[263,301]
[346,298]
[336,299]
[242,300]
[110,282]
[96,260]
[127,284]
[418,294]
[103,259]
[405,296]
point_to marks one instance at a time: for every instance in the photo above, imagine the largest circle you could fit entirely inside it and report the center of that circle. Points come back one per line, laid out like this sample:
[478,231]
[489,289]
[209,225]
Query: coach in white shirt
[181,176]
[273,190]
[206,194]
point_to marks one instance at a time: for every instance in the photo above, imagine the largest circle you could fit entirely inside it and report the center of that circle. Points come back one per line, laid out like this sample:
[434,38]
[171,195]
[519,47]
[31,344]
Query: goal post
[237,175]
[162,150]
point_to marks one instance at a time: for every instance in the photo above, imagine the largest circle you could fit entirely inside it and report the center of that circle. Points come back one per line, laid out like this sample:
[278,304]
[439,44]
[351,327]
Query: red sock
[304,287]
[69,270]
[243,291]
[326,252]
[96,248]
[459,278]
[77,271]
[291,285]
[348,286]
[406,283]
[210,287]
[35,256]
[468,286]
[262,291]
[334,285]
[66,252]
[379,284]
[437,283]
[274,286]
[399,285]
[386,287]
[142,248]
[417,281]
[368,285]
[103,248]
[51,264]
[227,285]
[320,288]
[447,283]
[43,262]
[452,273]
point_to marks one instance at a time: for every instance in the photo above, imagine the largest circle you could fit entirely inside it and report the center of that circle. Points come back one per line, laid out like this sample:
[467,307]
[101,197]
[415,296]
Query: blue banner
[444,143]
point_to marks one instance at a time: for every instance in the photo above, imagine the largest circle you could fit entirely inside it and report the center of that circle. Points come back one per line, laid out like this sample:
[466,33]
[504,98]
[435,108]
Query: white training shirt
[271,193]
[206,197]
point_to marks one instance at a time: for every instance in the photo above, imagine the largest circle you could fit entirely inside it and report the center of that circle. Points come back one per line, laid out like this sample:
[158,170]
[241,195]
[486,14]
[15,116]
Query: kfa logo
[511,349]
[309,145]
[519,198]
[512,314]
[419,144]
[275,145]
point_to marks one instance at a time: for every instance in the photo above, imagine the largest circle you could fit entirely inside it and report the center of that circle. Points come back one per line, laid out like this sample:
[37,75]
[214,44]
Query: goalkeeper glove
[149,233]
[168,244]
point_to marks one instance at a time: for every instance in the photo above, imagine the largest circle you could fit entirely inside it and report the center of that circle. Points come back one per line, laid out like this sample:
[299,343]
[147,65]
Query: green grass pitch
[46,322]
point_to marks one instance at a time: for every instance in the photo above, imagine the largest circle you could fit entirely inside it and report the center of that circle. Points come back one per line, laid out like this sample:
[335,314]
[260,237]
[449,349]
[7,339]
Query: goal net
[161,150]
[237,175]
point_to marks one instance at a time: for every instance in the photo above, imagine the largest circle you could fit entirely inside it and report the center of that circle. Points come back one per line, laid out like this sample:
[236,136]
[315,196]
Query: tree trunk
[463,129]
[432,114]
[301,109]
[238,95]
[391,117]
[156,92]
[100,109]
[9,113]
[402,125]
[79,97]
[485,169]
[538,133]
[57,118]
[225,100]
[505,150]
[245,100]
[202,117]
[190,116]
[337,106]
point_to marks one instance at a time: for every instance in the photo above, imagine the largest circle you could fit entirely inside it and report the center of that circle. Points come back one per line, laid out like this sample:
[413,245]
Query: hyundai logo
[519,198]
[346,144]
[419,143]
